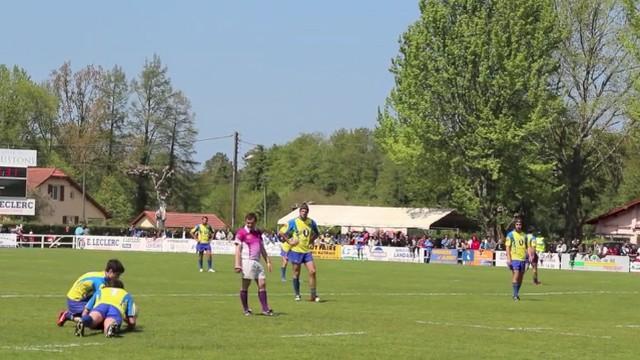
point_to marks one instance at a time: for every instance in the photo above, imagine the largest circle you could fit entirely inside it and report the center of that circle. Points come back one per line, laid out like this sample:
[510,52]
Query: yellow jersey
[517,243]
[305,231]
[116,297]
[202,233]
[86,285]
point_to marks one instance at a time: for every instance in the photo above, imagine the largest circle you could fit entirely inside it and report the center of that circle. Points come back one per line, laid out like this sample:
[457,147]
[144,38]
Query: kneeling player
[85,287]
[250,266]
[107,310]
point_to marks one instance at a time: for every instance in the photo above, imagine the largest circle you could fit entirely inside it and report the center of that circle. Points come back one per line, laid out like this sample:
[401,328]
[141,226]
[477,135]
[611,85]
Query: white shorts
[252,270]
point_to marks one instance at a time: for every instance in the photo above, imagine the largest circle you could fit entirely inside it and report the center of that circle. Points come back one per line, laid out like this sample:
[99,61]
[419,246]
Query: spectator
[79,231]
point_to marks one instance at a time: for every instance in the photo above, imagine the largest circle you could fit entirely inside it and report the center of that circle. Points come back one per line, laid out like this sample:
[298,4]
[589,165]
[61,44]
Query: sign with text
[8,240]
[478,257]
[596,263]
[330,254]
[18,158]
[25,207]
[444,256]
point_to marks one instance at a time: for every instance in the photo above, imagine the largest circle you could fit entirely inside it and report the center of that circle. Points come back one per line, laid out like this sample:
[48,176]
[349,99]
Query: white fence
[347,252]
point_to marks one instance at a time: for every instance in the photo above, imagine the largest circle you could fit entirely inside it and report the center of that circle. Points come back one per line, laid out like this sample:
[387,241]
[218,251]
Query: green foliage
[471,102]
[115,194]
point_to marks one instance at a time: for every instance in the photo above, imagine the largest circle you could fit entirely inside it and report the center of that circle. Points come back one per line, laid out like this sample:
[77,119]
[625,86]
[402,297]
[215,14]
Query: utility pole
[84,197]
[264,199]
[234,184]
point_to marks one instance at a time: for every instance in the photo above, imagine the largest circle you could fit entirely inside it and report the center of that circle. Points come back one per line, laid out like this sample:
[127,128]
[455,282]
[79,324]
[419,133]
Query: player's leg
[311,268]
[200,251]
[515,278]
[93,320]
[283,267]
[73,312]
[296,279]
[209,258]
[261,281]
[244,294]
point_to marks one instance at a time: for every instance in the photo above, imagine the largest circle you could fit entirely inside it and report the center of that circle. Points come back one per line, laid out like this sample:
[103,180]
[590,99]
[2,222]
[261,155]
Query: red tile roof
[37,177]
[180,220]
[615,211]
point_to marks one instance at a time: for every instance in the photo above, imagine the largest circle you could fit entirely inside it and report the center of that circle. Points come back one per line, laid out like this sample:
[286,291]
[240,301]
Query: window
[76,219]
[70,194]
[61,192]
[64,220]
[53,192]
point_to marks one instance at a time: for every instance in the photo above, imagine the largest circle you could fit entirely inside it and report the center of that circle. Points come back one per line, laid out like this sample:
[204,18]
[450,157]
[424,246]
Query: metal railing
[45,241]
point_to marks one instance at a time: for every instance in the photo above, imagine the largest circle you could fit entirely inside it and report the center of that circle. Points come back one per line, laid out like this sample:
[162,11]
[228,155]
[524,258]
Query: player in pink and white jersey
[247,262]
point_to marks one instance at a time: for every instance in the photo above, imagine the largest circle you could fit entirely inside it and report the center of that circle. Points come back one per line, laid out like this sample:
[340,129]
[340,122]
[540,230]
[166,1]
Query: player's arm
[238,256]
[530,249]
[131,313]
[315,232]
[91,304]
[194,231]
[287,234]
[263,251]
[507,246]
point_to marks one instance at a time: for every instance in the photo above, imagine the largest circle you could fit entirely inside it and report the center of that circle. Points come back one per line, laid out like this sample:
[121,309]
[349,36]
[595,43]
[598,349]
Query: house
[622,222]
[59,198]
[176,220]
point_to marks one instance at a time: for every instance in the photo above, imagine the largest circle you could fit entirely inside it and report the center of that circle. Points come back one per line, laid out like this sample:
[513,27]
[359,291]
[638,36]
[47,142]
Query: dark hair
[115,266]
[114,283]
[205,218]
[251,216]
[304,206]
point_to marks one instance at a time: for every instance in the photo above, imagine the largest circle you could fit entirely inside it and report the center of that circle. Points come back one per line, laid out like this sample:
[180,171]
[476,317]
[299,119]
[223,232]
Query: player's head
[304,211]
[250,220]
[518,223]
[205,220]
[531,229]
[114,283]
[114,269]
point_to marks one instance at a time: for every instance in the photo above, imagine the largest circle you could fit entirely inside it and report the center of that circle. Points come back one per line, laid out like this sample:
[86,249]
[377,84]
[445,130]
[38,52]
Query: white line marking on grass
[416,294]
[631,326]
[47,347]
[340,333]
[515,329]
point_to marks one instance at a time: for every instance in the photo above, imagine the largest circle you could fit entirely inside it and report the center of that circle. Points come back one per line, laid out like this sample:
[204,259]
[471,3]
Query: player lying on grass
[87,285]
[108,309]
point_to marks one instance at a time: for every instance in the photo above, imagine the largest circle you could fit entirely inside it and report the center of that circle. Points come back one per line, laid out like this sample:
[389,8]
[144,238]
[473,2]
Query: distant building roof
[383,217]
[615,211]
[180,220]
[38,176]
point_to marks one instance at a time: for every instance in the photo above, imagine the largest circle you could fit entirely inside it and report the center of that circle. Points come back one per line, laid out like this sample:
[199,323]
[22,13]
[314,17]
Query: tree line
[498,106]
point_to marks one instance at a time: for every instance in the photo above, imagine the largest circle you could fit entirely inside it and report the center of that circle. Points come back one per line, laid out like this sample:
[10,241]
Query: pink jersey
[252,239]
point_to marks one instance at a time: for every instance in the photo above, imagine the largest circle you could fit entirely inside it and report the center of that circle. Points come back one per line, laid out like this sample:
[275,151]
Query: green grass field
[370,310]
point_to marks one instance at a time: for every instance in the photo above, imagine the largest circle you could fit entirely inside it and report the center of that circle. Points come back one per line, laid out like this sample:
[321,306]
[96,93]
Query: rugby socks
[313,293]
[516,289]
[200,262]
[68,315]
[296,285]
[210,263]
[262,295]
[283,272]
[86,320]
[244,298]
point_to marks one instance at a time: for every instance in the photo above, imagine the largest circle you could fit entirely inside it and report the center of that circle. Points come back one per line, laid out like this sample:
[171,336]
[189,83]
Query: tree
[471,101]
[150,111]
[114,99]
[595,80]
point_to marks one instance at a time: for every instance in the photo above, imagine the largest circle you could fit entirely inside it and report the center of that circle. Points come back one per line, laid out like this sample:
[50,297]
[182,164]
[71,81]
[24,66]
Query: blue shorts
[518,265]
[203,247]
[75,307]
[109,311]
[283,253]
[299,258]
[359,246]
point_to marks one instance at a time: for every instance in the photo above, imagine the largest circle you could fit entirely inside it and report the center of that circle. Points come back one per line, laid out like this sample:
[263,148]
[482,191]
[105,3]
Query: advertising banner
[23,207]
[501,258]
[349,252]
[99,243]
[634,266]
[444,256]
[595,263]
[8,240]
[403,254]
[477,257]
[548,261]
[223,247]
[379,253]
[330,254]
[179,245]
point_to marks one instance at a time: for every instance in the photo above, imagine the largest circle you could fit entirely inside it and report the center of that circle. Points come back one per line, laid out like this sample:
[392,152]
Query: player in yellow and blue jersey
[518,247]
[202,233]
[284,251]
[537,243]
[87,285]
[300,233]
[108,309]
